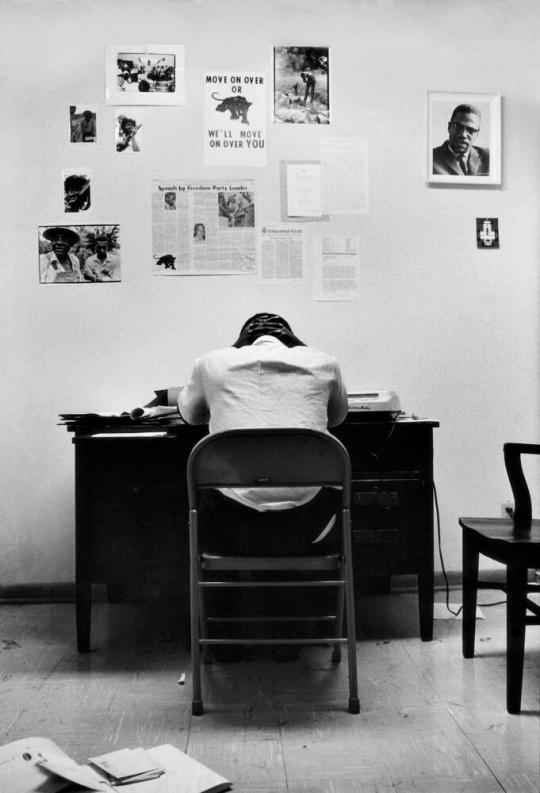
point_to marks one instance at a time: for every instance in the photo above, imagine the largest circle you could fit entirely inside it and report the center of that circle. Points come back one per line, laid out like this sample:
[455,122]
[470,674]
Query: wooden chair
[516,543]
[271,458]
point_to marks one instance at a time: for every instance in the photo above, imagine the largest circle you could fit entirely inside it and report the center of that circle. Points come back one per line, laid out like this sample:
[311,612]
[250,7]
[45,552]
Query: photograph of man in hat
[59,265]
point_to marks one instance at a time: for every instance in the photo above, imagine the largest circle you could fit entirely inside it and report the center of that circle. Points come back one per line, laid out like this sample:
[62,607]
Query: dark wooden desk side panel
[392,507]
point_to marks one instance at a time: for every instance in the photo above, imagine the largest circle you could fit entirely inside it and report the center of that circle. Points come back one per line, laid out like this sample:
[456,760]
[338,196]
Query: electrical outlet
[507,509]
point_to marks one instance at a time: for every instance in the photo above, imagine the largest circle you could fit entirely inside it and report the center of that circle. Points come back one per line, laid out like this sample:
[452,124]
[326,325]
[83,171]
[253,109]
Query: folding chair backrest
[269,457]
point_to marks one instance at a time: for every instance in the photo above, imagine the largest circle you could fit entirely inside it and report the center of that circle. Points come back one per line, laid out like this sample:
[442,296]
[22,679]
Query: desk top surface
[95,426]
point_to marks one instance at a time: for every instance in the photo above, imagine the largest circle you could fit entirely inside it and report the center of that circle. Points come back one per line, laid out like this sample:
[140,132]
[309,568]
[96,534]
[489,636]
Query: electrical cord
[447,585]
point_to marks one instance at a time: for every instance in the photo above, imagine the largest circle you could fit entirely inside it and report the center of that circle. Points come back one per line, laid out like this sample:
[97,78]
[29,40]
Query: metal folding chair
[271,458]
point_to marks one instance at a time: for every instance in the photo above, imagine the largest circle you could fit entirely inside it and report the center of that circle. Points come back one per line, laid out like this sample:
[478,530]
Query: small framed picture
[463,138]
[145,74]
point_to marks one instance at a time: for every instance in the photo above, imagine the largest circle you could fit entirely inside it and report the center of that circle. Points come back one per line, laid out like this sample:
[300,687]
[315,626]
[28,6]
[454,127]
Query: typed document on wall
[281,253]
[336,268]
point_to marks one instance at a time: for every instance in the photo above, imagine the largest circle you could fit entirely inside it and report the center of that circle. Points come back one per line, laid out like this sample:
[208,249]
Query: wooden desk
[131,509]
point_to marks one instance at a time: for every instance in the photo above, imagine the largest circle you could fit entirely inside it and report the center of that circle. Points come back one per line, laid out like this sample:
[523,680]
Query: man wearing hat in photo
[59,266]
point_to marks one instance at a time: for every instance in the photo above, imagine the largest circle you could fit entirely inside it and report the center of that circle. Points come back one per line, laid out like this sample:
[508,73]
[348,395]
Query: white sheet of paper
[336,268]
[67,769]
[344,176]
[304,190]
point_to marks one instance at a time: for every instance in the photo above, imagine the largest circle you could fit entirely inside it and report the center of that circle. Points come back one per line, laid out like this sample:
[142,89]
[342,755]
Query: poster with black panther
[235,118]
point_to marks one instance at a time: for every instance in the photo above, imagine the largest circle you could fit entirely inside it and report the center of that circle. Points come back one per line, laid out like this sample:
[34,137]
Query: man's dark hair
[264,324]
[466,109]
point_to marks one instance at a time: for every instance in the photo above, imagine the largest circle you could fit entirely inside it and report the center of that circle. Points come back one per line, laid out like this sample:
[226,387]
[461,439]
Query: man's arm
[192,403]
[338,405]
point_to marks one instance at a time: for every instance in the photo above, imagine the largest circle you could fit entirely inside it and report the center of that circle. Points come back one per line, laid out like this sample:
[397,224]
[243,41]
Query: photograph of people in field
[301,87]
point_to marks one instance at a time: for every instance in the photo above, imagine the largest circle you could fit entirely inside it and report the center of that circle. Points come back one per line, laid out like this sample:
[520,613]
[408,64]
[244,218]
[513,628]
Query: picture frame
[463,138]
[145,74]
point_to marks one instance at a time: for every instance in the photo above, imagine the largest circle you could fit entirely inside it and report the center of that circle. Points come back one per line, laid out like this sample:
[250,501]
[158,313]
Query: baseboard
[408,583]
[38,593]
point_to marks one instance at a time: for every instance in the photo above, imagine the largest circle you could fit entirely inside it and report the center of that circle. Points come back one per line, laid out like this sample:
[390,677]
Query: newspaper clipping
[203,228]
[282,253]
[235,119]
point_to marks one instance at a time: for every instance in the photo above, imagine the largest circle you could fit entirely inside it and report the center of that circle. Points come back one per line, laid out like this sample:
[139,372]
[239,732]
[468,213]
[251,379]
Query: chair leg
[470,587]
[194,597]
[516,582]
[340,614]
[354,702]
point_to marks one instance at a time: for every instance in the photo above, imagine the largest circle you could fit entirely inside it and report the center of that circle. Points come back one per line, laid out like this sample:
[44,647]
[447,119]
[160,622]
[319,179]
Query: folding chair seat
[515,543]
[263,458]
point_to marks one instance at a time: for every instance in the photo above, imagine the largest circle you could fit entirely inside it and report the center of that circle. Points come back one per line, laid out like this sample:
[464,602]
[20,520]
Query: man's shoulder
[219,354]
[442,150]
[314,354]
[483,153]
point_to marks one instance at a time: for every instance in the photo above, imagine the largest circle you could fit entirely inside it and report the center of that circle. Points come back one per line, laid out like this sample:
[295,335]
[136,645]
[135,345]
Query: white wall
[453,329]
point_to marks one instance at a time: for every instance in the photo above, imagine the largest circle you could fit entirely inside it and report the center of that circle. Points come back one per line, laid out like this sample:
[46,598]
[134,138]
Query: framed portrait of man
[463,138]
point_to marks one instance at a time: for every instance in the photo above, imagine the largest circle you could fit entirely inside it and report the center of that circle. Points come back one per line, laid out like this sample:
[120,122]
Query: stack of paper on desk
[162,406]
[37,765]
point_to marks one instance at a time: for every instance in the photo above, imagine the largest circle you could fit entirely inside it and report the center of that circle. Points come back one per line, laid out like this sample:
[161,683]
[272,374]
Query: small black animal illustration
[168,260]
[237,106]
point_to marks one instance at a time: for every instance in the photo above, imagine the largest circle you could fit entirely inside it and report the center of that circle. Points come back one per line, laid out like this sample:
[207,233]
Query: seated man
[268,378]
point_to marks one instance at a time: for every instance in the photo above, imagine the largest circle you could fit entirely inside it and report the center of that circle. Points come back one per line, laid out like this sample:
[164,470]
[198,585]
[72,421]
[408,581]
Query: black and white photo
[151,74]
[129,130]
[79,254]
[76,182]
[236,210]
[82,124]
[463,138]
[301,85]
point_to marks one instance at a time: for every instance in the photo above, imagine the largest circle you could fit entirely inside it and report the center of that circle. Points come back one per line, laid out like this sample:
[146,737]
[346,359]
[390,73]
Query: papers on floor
[128,765]
[38,765]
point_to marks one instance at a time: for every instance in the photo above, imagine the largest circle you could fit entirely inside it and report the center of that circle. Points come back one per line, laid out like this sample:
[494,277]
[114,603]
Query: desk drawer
[387,511]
